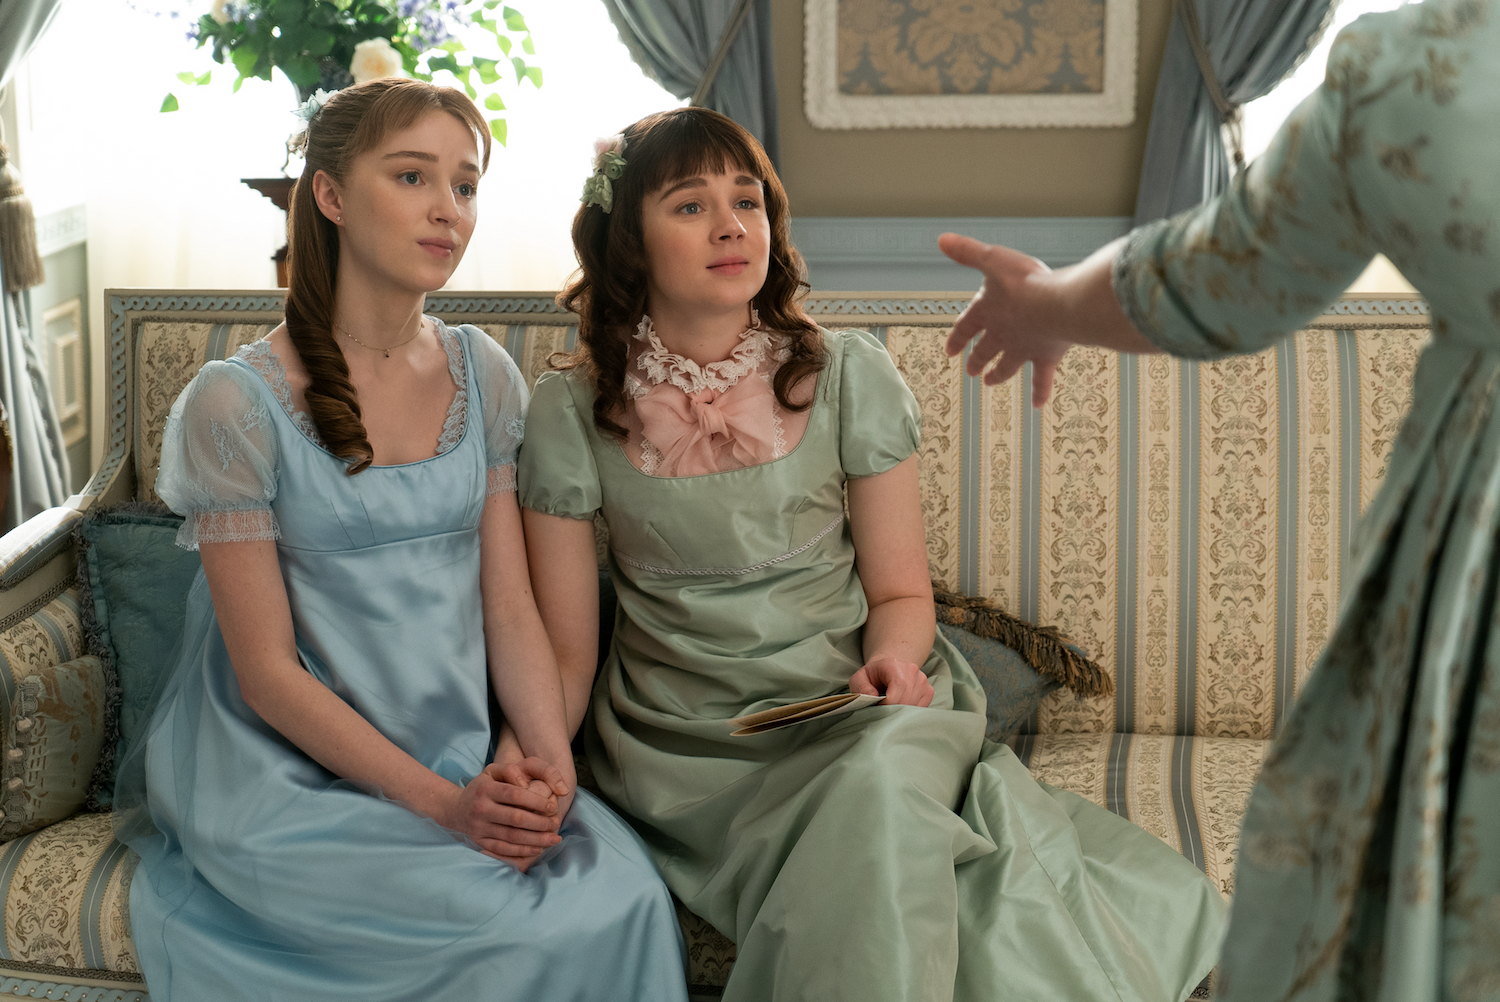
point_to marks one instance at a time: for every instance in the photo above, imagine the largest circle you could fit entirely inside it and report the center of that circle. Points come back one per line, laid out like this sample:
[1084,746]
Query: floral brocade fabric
[1370,854]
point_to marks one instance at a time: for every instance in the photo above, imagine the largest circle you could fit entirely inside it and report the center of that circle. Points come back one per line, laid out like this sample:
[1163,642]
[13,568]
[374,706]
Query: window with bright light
[165,204]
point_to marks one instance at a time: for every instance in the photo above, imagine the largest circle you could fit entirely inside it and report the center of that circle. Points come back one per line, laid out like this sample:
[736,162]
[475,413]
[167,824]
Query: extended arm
[565,576]
[522,667]
[1029,313]
[255,617]
[890,546]
[1245,269]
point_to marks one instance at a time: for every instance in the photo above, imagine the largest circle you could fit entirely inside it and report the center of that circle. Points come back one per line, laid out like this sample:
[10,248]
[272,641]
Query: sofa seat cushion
[1190,792]
[66,890]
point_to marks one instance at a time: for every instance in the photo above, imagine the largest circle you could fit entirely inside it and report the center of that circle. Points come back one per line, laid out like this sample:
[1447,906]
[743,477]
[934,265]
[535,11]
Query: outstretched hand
[1006,317]
[901,682]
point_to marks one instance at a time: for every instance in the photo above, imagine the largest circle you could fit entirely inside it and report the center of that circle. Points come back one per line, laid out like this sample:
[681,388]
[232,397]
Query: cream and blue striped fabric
[1186,522]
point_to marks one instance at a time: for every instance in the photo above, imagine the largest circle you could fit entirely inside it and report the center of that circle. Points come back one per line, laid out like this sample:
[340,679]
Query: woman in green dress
[1370,857]
[887,854]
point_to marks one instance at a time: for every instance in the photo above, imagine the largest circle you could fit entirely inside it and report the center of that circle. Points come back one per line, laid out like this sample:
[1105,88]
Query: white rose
[219,13]
[374,59]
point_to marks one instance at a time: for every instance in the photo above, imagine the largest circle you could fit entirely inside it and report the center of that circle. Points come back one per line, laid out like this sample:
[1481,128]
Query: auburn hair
[349,123]
[609,291]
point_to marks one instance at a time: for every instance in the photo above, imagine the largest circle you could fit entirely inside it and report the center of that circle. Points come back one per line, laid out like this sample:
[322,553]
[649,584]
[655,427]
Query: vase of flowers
[330,44]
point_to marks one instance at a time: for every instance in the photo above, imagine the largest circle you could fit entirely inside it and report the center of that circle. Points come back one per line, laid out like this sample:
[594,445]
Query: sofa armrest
[36,541]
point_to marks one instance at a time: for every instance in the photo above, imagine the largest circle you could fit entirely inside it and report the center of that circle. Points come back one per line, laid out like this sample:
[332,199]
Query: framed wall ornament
[880,64]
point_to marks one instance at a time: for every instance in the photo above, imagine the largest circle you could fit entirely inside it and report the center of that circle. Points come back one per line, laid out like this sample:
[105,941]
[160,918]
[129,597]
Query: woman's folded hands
[513,810]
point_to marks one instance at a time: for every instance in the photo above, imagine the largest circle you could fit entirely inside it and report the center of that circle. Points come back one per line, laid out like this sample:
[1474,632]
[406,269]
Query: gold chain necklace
[387,351]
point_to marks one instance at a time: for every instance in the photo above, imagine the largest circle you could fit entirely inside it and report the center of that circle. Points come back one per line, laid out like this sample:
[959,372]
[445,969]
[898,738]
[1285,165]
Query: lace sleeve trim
[501,479]
[457,419]
[244,526]
[261,357]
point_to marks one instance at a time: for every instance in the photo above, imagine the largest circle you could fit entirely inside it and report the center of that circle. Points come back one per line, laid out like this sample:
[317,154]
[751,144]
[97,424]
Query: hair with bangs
[349,123]
[609,291]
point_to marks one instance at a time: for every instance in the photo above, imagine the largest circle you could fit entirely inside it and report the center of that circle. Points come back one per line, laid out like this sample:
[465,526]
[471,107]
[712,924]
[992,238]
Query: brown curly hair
[349,123]
[609,291]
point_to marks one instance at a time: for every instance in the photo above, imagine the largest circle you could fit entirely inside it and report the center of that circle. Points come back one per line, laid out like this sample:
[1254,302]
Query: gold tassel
[19,257]
[1042,647]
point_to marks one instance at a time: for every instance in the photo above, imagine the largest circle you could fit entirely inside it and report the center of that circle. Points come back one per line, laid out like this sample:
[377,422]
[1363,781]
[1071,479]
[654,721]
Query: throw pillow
[1012,688]
[54,732]
[137,581]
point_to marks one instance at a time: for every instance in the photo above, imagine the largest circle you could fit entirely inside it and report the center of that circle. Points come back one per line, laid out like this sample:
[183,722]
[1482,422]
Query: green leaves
[486,70]
[524,72]
[302,38]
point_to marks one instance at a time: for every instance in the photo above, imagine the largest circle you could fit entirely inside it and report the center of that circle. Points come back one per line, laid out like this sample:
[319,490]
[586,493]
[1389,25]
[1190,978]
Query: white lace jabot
[663,366]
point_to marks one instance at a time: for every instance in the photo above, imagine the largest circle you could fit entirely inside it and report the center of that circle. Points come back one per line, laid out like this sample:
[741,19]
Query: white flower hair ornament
[609,164]
[297,142]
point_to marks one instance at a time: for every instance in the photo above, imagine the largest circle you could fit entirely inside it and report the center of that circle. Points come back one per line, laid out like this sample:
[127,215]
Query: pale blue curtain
[674,41]
[1253,45]
[40,474]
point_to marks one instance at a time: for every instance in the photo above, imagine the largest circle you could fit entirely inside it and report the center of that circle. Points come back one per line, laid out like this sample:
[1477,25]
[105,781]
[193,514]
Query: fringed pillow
[1017,662]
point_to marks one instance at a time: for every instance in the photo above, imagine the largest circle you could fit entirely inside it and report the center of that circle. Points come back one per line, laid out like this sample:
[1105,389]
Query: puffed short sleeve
[557,471]
[879,421]
[219,459]
[503,400]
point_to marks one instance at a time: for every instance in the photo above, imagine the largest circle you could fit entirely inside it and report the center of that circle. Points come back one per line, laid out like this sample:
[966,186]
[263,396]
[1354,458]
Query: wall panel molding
[867,253]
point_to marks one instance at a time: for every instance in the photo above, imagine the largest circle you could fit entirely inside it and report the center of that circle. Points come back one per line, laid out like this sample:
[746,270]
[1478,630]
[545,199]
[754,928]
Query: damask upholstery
[54,728]
[66,890]
[1184,522]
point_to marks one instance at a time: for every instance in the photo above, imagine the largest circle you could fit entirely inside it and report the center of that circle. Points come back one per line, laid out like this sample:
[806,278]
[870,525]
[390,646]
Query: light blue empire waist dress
[264,876]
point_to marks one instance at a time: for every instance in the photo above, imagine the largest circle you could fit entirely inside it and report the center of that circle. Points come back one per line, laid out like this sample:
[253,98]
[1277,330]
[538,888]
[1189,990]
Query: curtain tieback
[1229,112]
[731,32]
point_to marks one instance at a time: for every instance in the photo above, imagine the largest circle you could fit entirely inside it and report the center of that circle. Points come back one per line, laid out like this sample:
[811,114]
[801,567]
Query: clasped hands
[513,810]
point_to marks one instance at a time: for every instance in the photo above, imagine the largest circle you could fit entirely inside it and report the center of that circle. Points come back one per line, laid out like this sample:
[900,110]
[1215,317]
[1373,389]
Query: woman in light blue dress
[318,807]
[1370,858]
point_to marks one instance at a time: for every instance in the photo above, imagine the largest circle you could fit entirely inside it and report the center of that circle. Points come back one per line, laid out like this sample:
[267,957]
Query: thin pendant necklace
[370,347]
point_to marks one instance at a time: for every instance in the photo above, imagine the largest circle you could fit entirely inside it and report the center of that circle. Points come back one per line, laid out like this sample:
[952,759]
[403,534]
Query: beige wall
[960,172]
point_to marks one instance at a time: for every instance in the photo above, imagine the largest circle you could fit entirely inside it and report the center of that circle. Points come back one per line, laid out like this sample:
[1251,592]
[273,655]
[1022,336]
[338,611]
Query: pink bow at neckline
[691,431]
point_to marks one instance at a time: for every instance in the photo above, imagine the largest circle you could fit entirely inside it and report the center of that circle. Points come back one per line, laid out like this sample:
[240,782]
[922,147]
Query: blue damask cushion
[137,580]
[1012,688]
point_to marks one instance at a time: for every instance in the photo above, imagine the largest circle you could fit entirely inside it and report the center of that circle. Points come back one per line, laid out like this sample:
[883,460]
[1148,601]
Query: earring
[339,219]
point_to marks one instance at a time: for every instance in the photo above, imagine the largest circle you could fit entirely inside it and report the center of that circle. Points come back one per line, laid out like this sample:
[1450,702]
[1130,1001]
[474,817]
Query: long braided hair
[349,123]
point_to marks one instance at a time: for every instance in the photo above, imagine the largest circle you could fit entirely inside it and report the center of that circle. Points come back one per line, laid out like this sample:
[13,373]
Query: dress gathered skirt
[265,876]
[889,855]
[1369,864]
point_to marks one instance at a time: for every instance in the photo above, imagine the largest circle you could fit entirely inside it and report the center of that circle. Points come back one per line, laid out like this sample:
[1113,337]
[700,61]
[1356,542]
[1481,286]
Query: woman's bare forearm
[565,579]
[901,628]
[523,668]
[1079,303]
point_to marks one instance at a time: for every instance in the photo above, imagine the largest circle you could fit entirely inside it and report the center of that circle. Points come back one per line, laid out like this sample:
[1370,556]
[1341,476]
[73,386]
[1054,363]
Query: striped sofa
[1185,522]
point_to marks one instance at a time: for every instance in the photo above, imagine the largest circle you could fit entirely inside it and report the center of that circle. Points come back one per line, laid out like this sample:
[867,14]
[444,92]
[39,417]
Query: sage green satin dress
[890,854]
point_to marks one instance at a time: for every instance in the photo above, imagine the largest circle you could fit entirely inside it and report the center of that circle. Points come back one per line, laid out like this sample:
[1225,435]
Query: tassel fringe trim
[1043,647]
